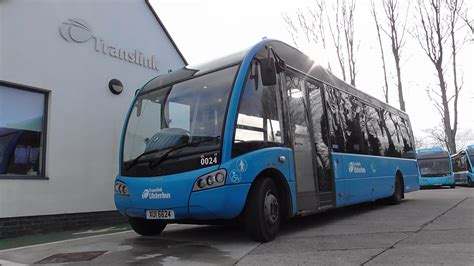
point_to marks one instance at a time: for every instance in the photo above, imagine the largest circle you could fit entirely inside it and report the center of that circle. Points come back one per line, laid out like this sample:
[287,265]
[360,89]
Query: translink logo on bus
[155,193]
[356,168]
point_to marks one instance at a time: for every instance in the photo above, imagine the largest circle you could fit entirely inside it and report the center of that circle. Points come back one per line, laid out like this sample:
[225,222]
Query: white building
[60,123]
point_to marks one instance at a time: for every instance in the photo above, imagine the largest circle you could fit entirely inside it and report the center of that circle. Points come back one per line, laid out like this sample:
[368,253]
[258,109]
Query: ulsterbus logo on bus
[356,168]
[155,193]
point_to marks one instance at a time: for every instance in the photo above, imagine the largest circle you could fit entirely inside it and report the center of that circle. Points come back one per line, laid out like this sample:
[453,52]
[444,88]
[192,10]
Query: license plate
[159,214]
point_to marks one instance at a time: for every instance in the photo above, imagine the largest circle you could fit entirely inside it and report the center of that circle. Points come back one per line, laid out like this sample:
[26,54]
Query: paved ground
[433,226]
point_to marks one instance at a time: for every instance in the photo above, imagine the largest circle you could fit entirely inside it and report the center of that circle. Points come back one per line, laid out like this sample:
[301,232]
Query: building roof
[165,30]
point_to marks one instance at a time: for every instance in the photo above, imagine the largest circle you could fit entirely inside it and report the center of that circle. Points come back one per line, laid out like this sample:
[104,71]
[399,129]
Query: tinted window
[334,113]
[21,132]
[374,130]
[459,162]
[259,119]
[408,147]
[392,135]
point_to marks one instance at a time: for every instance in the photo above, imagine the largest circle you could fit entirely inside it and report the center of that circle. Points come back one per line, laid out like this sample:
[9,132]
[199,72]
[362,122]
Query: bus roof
[293,58]
[435,152]
[431,150]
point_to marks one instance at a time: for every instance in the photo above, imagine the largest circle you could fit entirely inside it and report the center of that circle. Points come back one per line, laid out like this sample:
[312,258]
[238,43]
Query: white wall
[85,118]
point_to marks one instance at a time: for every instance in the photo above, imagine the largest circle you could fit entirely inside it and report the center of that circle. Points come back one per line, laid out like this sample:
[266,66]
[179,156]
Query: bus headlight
[211,180]
[121,188]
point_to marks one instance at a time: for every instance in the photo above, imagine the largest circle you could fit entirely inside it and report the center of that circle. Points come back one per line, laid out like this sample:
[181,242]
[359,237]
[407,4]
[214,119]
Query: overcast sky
[208,29]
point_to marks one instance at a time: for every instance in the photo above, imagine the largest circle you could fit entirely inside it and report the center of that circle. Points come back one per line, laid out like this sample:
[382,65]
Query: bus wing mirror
[268,71]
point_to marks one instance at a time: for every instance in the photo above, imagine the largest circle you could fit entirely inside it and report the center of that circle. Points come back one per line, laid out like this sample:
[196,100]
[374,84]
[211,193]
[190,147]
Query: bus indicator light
[121,188]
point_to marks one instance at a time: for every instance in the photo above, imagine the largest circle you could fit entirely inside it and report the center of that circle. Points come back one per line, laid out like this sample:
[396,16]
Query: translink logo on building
[77,30]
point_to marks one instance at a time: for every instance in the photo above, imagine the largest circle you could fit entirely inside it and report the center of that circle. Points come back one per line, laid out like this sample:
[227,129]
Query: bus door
[321,143]
[302,142]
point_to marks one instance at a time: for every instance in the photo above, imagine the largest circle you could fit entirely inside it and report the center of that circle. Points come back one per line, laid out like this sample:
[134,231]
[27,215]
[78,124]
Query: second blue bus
[435,167]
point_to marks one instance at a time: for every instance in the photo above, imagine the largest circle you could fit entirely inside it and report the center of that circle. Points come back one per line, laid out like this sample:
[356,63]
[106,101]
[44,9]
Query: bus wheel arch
[399,175]
[283,189]
[399,191]
[267,205]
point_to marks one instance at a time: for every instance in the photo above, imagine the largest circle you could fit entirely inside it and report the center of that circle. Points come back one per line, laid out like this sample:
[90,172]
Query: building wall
[84,118]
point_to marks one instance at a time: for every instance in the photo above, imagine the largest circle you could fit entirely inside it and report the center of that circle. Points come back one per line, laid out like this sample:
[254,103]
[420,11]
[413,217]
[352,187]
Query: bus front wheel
[262,211]
[146,227]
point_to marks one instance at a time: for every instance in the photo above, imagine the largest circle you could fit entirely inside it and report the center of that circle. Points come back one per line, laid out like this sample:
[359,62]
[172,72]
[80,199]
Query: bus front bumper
[437,181]
[225,202]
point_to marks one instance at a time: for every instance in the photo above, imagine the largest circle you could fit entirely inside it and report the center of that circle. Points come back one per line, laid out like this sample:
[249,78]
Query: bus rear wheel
[397,196]
[146,227]
[262,211]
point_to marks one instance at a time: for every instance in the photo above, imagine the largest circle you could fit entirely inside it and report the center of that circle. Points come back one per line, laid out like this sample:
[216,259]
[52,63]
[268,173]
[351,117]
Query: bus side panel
[245,168]
[411,174]
[362,178]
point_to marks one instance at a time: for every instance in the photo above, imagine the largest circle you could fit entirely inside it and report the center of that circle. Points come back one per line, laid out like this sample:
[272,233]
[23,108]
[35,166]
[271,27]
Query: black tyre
[397,196]
[452,186]
[146,227]
[469,182]
[262,211]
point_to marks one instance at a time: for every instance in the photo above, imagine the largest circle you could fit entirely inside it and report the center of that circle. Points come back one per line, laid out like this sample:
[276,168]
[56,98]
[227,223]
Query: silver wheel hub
[271,208]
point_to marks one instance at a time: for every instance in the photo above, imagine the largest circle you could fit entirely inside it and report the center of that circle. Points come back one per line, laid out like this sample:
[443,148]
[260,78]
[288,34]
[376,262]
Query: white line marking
[73,239]
[64,241]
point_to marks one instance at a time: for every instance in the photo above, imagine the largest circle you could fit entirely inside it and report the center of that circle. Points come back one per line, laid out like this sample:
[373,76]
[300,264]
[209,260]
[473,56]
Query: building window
[22,132]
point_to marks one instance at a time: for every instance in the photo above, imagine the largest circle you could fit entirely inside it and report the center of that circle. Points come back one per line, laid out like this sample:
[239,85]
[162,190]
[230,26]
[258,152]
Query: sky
[209,29]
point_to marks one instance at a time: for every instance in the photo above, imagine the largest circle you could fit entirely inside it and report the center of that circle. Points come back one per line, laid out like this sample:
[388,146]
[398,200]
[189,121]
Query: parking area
[432,226]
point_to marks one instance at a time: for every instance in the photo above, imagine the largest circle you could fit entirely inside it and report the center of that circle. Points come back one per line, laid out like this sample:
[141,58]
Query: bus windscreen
[434,167]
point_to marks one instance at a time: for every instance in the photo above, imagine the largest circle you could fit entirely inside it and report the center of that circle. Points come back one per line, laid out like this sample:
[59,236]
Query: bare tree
[379,37]
[335,31]
[433,34]
[436,136]
[454,7]
[348,22]
[463,14]
[421,142]
[318,23]
[396,32]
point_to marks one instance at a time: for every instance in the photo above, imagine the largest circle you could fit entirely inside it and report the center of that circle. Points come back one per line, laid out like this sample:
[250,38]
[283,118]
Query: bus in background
[258,137]
[435,167]
[463,163]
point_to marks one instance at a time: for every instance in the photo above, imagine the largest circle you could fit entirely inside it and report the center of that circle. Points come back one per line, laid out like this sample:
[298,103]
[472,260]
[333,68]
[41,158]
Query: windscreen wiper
[165,154]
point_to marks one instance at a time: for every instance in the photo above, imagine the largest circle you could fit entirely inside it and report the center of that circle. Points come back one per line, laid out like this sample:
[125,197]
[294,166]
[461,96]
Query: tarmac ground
[431,226]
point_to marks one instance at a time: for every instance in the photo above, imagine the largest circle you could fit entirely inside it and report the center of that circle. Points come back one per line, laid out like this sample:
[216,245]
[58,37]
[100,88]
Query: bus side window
[374,131]
[335,130]
[258,121]
[392,135]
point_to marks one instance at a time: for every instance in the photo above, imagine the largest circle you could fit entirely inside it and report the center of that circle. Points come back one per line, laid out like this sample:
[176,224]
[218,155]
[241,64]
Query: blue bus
[435,167]
[258,137]
[463,163]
